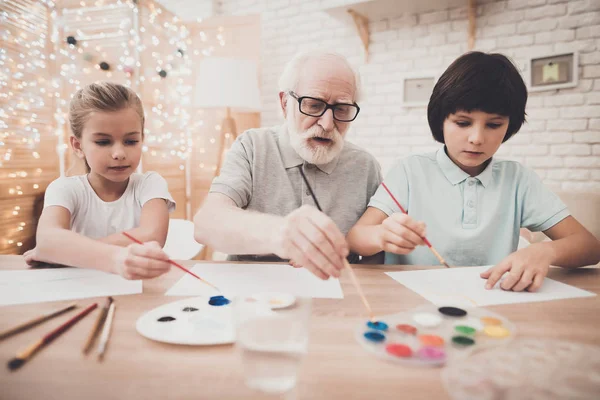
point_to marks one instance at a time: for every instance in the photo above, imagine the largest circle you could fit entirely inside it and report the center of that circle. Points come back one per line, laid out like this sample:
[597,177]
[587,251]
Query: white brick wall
[561,140]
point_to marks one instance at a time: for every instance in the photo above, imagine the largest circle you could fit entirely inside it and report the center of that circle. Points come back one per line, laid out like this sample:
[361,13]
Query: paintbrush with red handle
[346,264]
[26,354]
[175,264]
[433,250]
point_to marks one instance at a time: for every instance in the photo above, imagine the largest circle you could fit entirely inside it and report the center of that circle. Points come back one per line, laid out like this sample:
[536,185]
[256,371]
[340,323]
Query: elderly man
[259,207]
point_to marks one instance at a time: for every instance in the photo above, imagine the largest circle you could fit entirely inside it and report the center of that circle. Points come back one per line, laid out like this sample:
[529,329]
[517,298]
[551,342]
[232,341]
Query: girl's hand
[400,234]
[29,257]
[526,269]
[141,261]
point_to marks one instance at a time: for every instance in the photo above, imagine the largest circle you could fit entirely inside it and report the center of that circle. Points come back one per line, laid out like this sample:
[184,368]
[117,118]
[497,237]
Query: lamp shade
[227,82]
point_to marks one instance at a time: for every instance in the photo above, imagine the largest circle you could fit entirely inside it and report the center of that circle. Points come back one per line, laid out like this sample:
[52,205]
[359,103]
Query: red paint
[408,329]
[399,350]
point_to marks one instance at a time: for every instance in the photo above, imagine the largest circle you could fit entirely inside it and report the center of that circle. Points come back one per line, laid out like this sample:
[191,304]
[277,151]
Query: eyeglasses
[313,107]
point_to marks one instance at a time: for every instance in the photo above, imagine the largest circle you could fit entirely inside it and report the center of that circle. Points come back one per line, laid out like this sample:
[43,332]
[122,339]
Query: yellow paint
[497,332]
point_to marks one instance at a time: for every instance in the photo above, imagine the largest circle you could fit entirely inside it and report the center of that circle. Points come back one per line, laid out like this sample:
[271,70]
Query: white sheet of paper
[464,286]
[36,286]
[247,279]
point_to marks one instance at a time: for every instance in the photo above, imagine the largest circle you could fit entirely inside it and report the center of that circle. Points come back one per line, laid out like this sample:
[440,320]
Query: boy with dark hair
[474,204]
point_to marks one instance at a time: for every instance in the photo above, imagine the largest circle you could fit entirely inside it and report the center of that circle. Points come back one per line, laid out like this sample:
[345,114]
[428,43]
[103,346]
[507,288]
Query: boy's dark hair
[478,82]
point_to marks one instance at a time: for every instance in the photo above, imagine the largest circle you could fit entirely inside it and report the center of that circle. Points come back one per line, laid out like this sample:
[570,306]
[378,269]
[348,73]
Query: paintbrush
[175,264]
[106,331]
[433,250]
[36,321]
[346,265]
[97,326]
[26,354]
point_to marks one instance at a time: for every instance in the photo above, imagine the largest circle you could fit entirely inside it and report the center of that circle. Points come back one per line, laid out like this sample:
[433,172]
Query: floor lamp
[230,84]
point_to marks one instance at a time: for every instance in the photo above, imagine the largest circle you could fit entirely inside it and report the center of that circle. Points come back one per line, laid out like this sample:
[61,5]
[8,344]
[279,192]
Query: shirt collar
[456,175]
[291,158]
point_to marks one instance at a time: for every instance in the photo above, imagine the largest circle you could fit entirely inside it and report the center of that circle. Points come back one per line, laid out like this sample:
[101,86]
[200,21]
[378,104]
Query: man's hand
[312,240]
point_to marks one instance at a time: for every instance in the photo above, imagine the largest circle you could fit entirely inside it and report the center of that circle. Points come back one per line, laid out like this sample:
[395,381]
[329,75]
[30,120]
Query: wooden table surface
[336,367]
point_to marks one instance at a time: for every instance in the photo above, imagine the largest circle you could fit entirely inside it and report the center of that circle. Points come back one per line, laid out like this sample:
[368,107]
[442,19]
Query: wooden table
[335,367]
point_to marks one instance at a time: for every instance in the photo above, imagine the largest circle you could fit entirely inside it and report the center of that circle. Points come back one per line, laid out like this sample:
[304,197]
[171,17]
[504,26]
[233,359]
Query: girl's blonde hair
[101,96]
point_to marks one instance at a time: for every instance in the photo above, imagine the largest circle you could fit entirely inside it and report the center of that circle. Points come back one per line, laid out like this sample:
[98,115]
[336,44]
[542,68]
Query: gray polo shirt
[261,173]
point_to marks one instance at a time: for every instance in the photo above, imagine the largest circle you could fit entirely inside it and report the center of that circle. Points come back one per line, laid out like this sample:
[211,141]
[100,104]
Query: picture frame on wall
[417,88]
[551,72]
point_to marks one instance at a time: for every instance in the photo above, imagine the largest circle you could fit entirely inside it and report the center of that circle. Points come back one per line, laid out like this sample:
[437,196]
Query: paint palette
[528,368]
[432,336]
[196,321]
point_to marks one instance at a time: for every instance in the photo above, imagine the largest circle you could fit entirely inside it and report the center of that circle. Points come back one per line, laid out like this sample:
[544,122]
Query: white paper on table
[465,286]
[247,279]
[36,286]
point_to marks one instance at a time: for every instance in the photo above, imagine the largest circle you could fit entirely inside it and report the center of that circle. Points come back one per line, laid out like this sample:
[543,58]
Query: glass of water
[271,344]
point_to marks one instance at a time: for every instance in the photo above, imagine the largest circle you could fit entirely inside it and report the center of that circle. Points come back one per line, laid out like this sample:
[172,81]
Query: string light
[118,32]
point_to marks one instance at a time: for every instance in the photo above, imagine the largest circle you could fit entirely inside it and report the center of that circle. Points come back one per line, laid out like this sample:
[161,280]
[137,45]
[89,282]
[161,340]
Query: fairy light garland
[77,54]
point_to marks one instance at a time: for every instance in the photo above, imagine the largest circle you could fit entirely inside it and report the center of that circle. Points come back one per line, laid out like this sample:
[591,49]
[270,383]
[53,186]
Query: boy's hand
[526,269]
[400,234]
[141,261]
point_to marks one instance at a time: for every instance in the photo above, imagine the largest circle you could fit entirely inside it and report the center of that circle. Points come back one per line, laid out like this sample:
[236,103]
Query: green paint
[463,341]
[465,330]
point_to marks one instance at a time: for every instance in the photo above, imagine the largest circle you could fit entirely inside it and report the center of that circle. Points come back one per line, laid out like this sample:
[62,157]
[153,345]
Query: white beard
[313,153]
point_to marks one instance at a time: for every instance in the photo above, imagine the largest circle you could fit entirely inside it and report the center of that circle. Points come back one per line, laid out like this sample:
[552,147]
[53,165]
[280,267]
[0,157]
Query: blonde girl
[84,216]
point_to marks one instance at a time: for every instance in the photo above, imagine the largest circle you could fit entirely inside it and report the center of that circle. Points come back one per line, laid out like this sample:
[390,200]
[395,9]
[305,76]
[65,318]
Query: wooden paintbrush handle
[36,321]
[55,333]
[31,349]
[359,289]
[97,326]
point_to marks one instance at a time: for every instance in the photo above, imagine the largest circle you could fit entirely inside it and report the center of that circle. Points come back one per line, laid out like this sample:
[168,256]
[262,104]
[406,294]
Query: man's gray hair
[288,81]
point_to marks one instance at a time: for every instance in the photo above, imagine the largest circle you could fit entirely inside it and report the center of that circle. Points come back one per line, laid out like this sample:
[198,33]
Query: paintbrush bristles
[15,363]
[439,257]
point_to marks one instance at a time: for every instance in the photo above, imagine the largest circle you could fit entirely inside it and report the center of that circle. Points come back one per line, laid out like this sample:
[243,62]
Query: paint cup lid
[275,300]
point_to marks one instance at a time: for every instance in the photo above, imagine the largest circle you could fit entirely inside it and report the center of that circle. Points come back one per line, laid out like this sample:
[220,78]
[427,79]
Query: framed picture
[416,89]
[557,71]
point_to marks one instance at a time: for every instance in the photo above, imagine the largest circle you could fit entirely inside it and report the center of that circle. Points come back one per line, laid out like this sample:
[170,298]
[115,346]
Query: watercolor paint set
[432,336]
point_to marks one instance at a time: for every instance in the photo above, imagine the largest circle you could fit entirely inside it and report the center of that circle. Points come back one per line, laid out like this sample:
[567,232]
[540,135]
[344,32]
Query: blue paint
[374,336]
[218,301]
[378,325]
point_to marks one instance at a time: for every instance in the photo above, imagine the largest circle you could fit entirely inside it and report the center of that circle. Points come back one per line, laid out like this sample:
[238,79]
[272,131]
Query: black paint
[189,309]
[452,311]
[166,319]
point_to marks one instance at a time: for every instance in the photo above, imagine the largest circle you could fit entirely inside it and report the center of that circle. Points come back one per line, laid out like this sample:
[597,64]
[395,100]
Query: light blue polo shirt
[470,220]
